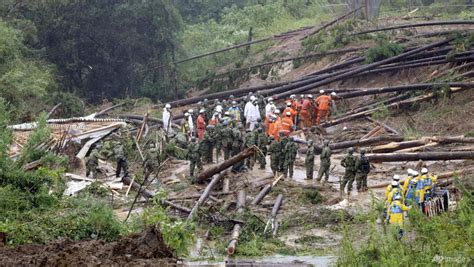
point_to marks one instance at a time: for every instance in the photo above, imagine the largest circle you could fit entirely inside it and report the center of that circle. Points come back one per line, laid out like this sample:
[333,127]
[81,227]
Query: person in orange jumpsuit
[201,124]
[270,124]
[287,124]
[294,102]
[277,126]
[290,109]
[305,113]
[324,103]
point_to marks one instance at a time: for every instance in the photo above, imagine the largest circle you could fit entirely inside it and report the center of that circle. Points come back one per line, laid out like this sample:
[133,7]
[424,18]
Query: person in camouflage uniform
[227,138]
[260,124]
[207,144]
[238,140]
[261,105]
[194,156]
[261,143]
[275,153]
[249,141]
[290,150]
[217,136]
[151,160]
[121,158]
[92,162]
[309,160]
[281,161]
[325,159]
[349,164]
[362,167]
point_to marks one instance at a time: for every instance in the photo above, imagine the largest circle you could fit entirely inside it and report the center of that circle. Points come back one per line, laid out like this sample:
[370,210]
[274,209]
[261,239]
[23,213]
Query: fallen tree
[266,189]
[426,156]
[395,146]
[241,197]
[415,25]
[205,174]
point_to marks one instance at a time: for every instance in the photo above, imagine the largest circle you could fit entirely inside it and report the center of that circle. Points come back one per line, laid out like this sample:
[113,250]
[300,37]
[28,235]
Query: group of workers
[417,189]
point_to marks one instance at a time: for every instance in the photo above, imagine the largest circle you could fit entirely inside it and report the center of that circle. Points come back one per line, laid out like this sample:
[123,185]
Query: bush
[382,51]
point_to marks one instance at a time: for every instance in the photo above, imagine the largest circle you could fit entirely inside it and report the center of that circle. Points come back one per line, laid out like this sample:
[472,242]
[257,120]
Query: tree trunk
[422,24]
[241,197]
[392,147]
[426,156]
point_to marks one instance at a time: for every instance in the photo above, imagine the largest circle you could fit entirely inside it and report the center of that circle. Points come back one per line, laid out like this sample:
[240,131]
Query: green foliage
[384,49]
[32,150]
[312,196]
[72,106]
[177,234]
[445,239]
[382,113]
[334,38]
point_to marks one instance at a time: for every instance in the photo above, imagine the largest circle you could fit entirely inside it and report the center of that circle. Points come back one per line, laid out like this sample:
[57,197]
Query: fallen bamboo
[205,174]
[266,189]
[441,176]
[205,194]
[415,25]
[275,209]
[105,111]
[395,146]
[198,195]
[53,110]
[360,142]
[426,156]
[140,118]
[341,18]
[241,197]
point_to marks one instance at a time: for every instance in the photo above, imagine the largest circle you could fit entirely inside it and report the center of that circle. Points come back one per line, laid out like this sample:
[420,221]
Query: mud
[145,249]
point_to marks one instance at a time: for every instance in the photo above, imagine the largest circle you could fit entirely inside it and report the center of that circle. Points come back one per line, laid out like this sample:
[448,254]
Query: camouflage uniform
[281,160]
[237,141]
[325,159]
[261,142]
[249,141]
[92,163]
[194,157]
[261,105]
[362,167]
[275,154]
[152,161]
[349,163]
[121,158]
[290,155]
[309,161]
[207,145]
[227,137]
[217,136]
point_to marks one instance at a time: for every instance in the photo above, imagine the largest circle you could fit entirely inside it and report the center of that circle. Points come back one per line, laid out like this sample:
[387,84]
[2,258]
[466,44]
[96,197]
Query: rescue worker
[286,125]
[388,189]
[235,114]
[261,104]
[281,162]
[227,118]
[270,107]
[249,141]
[121,158]
[324,103]
[333,108]
[290,110]
[429,182]
[294,102]
[151,160]
[291,149]
[275,154]
[237,141]
[309,160]
[261,143]
[215,118]
[277,125]
[185,129]
[395,190]
[349,164]
[305,113]
[194,156]
[409,187]
[395,214]
[270,125]
[252,113]
[362,166]
[217,136]
[191,122]
[167,118]
[207,145]
[227,139]
[92,162]
[201,124]
[325,159]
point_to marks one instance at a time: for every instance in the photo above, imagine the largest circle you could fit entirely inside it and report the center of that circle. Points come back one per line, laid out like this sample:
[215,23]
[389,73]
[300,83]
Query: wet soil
[145,249]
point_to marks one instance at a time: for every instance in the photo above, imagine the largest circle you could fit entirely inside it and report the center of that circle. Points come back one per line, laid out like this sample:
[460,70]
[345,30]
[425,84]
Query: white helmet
[227,113]
[219,108]
[191,110]
[396,177]
[310,96]
[270,99]
[394,183]
[292,96]
[253,98]
[333,93]
[202,110]
[277,111]
[234,102]
[410,172]
[398,197]
[288,113]
[302,96]
[167,106]
[321,91]
[186,114]
[288,104]
[424,171]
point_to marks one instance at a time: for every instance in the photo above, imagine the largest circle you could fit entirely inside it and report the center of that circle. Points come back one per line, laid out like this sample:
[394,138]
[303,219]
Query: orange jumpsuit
[213,122]
[270,127]
[201,126]
[294,104]
[276,129]
[315,112]
[286,125]
[306,113]
[324,102]
[292,111]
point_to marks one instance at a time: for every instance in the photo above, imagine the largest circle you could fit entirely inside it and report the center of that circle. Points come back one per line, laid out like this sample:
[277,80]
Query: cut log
[384,125]
[445,175]
[425,156]
[394,146]
[275,209]
[205,174]
[206,193]
[241,197]
[266,189]
[199,195]
[415,25]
